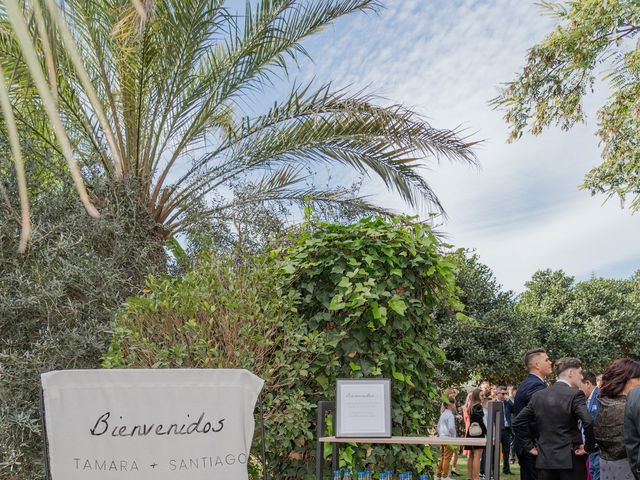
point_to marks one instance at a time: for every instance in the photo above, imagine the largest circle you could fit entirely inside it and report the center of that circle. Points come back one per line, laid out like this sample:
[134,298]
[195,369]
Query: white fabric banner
[149,424]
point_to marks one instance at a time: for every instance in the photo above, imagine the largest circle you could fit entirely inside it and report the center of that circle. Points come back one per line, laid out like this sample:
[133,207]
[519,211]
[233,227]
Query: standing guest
[617,381]
[590,389]
[477,429]
[493,393]
[485,386]
[539,367]
[485,418]
[453,392]
[632,431]
[446,429]
[512,396]
[505,433]
[559,448]
[599,381]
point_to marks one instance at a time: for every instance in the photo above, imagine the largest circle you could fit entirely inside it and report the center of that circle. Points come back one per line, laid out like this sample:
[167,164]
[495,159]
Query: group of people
[472,418]
[583,427]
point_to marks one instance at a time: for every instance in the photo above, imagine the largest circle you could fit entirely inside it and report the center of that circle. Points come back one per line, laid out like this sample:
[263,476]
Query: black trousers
[527,465]
[505,440]
[578,472]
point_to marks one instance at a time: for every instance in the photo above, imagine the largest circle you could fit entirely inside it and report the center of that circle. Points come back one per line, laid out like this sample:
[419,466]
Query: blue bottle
[337,475]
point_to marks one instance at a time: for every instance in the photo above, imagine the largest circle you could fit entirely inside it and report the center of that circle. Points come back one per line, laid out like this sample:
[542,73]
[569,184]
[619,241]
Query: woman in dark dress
[477,429]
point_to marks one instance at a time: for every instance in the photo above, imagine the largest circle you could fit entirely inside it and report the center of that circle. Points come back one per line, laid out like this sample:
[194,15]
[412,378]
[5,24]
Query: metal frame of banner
[325,407]
[45,442]
[491,452]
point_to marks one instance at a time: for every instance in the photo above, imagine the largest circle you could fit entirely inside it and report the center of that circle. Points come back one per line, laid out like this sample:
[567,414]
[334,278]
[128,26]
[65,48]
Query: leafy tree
[57,302]
[595,320]
[484,341]
[563,68]
[162,93]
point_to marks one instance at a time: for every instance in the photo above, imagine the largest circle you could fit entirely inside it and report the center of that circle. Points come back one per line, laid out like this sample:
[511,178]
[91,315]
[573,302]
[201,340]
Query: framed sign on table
[363,408]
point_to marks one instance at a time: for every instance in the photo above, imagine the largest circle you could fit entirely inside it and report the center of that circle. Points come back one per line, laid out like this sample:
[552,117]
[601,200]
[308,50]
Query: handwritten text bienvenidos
[103,427]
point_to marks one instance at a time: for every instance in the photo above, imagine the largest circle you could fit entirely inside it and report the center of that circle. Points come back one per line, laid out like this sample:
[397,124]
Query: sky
[522,210]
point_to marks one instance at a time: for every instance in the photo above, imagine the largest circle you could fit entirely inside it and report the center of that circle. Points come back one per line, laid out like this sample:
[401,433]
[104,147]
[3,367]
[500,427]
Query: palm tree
[156,90]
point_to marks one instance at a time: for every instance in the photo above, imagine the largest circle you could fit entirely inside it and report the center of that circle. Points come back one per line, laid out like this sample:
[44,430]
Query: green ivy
[372,288]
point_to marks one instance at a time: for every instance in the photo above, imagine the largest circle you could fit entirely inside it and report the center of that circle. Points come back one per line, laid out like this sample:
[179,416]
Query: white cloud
[445,58]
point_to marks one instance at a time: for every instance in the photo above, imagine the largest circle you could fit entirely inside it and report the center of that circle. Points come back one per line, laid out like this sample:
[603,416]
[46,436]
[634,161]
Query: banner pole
[265,475]
[45,442]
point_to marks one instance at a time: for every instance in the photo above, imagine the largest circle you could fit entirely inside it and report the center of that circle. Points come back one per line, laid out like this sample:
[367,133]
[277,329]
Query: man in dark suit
[505,434]
[539,367]
[559,449]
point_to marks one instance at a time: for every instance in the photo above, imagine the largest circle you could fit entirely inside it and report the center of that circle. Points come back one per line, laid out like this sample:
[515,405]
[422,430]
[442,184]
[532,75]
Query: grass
[462,469]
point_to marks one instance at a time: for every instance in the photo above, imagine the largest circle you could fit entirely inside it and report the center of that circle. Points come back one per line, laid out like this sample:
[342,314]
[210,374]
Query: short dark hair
[566,363]
[531,354]
[590,377]
[501,387]
[617,375]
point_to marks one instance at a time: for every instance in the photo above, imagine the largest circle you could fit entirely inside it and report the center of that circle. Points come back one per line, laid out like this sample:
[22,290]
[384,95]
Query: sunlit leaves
[593,37]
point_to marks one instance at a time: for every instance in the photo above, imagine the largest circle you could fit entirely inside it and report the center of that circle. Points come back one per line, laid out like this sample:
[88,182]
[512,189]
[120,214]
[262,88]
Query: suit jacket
[556,413]
[507,408]
[592,402]
[530,385]
[632,430]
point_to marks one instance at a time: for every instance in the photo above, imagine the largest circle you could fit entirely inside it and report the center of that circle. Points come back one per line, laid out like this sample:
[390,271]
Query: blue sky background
[522,211]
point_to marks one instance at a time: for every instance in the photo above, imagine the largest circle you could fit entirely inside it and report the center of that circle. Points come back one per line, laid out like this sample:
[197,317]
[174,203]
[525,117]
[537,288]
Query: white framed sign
[363,408]
[186,424]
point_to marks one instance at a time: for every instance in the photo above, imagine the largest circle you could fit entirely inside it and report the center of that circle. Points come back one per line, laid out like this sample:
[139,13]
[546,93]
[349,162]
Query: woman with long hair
[617,381]
[477,429]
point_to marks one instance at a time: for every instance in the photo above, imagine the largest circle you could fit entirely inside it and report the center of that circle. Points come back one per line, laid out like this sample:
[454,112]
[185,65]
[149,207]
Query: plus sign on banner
[149,424]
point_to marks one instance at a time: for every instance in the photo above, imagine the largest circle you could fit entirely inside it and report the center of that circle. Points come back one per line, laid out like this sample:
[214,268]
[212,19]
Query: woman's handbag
[475,430]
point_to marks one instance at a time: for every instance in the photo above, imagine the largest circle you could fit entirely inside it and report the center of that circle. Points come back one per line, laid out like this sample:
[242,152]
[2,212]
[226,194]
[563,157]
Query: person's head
[451,392]
[502,393]
[475,397]
[538,362]
[588,383]
[569,369]
[493,393]
[485,387]
[599,381]
[511,390]
[621,376]
[451,404]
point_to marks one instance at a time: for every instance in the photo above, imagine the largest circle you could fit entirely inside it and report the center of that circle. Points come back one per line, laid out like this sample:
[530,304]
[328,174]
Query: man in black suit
[539,366]
[505,434]
[559,449]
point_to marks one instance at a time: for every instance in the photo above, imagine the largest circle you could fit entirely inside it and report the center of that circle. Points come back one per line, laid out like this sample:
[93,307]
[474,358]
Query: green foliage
[228,312]
[372,288]
[57,300]
[339,301]
[595,320]
[484,343]
[562,69]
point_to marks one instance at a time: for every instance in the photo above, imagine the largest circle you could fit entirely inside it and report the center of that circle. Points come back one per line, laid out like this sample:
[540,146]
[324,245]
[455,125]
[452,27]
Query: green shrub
[57,302]
[373,287]
[227,313]
[340,301]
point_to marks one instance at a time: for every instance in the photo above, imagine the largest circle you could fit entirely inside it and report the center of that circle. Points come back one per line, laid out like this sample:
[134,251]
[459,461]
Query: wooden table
[471,442]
